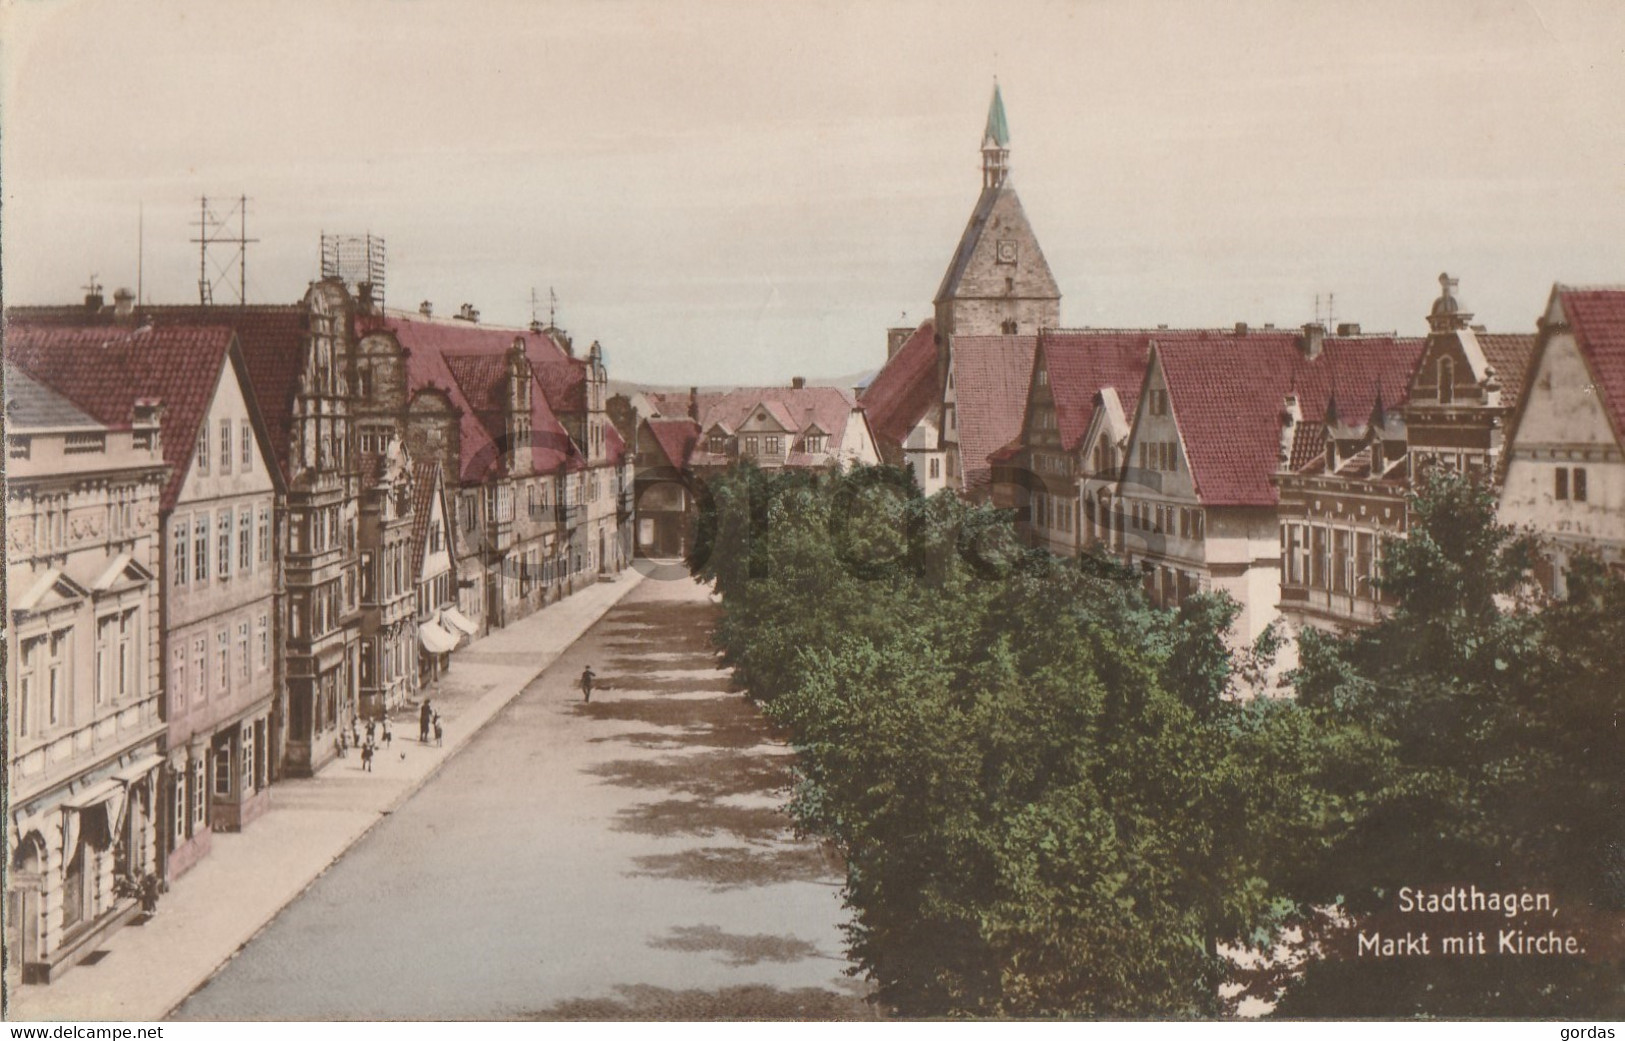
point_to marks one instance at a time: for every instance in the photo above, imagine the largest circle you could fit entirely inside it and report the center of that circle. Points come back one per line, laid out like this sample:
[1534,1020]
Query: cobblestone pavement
[623,859]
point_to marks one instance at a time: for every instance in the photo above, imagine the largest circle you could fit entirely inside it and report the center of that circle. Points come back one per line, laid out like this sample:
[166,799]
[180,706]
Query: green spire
[998,131]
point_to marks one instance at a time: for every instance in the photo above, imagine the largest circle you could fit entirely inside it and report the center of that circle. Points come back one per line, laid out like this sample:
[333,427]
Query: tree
[1469,739]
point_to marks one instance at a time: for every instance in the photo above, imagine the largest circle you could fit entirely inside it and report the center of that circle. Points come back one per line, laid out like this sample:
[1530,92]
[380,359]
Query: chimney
[798,383]
[1348,328]
[1291,416]
[694,404]
[363,297]
[1492,387]
[426,309]
[1241,328]
[123,303]
[895,338]
[93,299]
[1314,338]
[468,313]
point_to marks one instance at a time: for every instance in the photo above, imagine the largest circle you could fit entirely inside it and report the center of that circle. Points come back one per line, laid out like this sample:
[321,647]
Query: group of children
[380,735]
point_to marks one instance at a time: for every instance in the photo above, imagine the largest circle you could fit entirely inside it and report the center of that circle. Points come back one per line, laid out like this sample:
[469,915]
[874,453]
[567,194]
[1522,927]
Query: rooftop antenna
[552,308]
[532,305]
[140,252]
[214,229]
[92,287]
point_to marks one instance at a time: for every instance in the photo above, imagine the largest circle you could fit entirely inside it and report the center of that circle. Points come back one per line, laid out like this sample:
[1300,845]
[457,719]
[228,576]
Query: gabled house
[1345,482]
[904,405]
[1565,467]
[1073,412]
[1197,499]
[217,574]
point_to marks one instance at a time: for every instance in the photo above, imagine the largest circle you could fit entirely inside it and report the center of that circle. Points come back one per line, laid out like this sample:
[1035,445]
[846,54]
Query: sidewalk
[145,970]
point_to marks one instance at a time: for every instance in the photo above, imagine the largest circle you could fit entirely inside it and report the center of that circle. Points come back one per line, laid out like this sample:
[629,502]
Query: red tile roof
[104,369]
[1597,318]
[674,404]
[469,363]
[1082,363]
[614,444]
[1509,354]
[1227,394]
[796,408]
[271,336]
[676,438]
[425,479]
[991,378]
[905,389]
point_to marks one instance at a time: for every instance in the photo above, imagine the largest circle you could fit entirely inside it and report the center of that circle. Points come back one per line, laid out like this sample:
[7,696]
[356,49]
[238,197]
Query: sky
[735,193]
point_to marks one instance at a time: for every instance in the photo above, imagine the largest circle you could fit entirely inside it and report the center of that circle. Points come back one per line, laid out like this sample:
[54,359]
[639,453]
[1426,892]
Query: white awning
[95,795]
[459,621]
[435,639]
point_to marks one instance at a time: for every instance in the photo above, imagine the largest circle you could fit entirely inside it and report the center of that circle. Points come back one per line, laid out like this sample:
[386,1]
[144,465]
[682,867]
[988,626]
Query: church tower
[998,281]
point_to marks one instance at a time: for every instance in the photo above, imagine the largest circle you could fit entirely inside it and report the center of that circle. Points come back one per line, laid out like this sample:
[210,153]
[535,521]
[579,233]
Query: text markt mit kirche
[1468,901]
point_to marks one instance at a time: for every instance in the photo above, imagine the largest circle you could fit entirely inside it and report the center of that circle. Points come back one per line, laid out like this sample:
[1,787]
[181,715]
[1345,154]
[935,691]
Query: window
[247,439]
[936,468]
[200,548]
[262,631]
[265,534]
[198,802]
[225,446]
[1580,484]
[200,666]
[716,444]
[1042,376]
[203,448]
[27,683]
[179,550]
[222,661]
[815,442]
[177,674]
[245,540]
[751,446]
[1562,491]
[248,756]
[1365,565]
[1157,401]
[775,444]
[222,771]
[59,679]
[243,660]
[180,807]
[225,543]
[437,536]
[1447,381]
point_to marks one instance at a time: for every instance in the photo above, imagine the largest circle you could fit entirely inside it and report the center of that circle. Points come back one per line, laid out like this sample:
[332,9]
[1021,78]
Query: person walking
[366,757]
[439,734]
[389,735]
[587,677]
[425,714]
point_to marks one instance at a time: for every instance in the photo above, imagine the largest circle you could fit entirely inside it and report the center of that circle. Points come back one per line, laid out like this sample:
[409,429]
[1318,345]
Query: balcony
[569,515]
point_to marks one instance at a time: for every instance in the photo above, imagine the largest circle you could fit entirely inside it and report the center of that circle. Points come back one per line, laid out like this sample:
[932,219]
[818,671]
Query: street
[621,859]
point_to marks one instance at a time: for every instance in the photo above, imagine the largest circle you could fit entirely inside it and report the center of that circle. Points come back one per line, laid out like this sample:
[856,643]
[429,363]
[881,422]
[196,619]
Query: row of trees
[1055,799]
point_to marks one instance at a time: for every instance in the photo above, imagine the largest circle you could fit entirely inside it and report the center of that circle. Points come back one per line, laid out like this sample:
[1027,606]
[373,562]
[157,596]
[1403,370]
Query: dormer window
[717,444]
[815,443]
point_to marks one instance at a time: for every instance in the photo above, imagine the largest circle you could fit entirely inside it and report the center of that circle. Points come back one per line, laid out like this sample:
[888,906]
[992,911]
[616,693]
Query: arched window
[1447,380]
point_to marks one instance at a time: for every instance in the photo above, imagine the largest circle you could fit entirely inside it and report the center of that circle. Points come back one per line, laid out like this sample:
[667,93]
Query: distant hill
[629,388]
